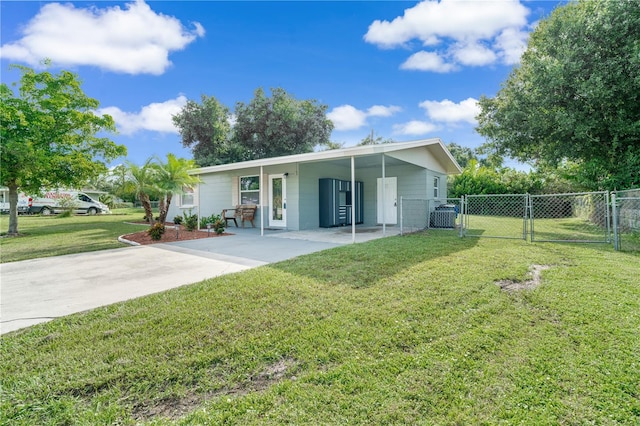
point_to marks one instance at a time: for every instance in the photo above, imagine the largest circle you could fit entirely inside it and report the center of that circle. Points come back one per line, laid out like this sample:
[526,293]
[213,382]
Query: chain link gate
[577,217]
[496,216]
[625,206]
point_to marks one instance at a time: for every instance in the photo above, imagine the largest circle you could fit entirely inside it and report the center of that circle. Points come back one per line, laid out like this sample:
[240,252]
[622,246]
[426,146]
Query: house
[327,188]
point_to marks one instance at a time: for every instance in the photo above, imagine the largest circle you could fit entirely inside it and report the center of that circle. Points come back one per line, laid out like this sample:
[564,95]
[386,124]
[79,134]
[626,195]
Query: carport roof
[434,146]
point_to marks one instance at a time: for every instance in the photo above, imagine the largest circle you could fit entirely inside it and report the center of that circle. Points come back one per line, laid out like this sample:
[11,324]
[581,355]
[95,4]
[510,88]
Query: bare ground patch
[529,284]
[173,408]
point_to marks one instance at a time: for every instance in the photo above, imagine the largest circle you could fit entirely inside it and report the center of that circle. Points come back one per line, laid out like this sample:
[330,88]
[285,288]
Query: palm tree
[173,177]
[145,180]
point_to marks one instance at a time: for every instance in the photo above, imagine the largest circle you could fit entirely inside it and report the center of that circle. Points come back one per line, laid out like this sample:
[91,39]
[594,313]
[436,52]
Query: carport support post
[353,199]
[261,203]
[384,198]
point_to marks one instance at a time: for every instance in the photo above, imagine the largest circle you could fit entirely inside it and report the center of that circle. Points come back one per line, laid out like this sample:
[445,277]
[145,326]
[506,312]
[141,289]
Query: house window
[436,187]
[250,190]
[187,197]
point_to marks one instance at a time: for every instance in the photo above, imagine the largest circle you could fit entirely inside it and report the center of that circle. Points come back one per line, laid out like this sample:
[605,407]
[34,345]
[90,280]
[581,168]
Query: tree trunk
[164,210]
[13,209]
[146,204]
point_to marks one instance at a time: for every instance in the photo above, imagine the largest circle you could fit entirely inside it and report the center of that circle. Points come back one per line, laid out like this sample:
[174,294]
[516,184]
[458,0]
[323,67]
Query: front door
[390,203]
[278,201]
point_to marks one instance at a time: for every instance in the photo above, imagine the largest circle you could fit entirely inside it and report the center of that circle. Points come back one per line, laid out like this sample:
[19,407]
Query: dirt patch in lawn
[516,285]
[173,408]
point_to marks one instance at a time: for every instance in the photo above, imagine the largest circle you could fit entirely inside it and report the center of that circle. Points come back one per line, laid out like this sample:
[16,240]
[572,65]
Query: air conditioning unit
[443,219]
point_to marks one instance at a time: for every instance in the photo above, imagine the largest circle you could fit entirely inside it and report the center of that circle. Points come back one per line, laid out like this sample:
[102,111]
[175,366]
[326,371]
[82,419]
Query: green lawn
[44,236]
[402,330]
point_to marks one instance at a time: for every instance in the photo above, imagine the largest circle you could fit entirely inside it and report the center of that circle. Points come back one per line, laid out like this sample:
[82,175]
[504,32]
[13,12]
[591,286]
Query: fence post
[530,210]
[401,217]
[608,216]
[614,212]
[461,216]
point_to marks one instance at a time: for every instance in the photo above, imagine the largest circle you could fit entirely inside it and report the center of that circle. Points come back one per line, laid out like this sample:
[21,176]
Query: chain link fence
[577,217]
[587,217]
[626,219]
[496,216]
[417,214]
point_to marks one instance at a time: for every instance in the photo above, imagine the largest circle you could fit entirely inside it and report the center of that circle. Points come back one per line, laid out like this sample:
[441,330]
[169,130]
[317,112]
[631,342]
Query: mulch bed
[169,235]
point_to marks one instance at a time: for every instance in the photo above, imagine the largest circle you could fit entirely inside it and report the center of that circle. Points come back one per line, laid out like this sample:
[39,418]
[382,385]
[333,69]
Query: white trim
[345,153]
[282,223]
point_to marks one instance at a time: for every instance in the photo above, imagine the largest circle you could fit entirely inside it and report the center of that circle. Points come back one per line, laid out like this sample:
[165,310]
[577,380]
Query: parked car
[58,201]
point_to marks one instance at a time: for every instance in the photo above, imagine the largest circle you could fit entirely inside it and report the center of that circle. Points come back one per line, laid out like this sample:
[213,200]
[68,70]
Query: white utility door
[390,203]
[277,200]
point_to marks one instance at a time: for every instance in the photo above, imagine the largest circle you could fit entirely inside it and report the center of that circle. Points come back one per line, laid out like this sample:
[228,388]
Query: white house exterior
[286,189]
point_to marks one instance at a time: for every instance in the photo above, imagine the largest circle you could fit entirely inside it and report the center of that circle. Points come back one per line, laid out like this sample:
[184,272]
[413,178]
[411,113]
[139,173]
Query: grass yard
[44,236]
[402,330]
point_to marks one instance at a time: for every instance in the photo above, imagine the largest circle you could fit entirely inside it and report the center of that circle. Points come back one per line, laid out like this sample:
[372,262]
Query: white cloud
[451,112]
[155,117]
[511,44]
[414,128]
[462,29]
[133,40]
[427,61]
[383,111]
[348,117]
[473,54]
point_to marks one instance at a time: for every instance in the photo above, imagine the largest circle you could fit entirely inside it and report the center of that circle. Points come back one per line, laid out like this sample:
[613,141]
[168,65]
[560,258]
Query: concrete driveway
[39,290]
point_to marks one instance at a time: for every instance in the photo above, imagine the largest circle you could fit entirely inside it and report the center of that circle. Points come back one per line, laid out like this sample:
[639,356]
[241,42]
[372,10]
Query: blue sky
[404,70]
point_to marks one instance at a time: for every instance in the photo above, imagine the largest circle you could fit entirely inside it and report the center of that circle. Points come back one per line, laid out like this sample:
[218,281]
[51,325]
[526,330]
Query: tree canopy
[575,96]
[280,124]
[205,128]
[49,131]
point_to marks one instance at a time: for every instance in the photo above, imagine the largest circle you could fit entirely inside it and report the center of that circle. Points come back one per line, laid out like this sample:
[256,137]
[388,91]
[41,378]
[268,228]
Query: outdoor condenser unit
[444,216]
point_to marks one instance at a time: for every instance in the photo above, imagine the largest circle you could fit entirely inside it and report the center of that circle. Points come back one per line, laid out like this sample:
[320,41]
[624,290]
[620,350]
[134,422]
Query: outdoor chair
[244,212]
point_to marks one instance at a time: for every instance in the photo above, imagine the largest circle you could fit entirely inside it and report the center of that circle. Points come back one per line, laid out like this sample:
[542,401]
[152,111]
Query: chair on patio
[244,212]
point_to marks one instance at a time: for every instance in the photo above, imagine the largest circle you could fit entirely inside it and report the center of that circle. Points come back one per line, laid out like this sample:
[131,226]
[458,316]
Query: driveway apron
[39,290]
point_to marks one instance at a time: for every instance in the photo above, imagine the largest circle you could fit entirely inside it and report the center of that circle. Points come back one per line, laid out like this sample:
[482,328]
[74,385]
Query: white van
[24,202]
[54,201]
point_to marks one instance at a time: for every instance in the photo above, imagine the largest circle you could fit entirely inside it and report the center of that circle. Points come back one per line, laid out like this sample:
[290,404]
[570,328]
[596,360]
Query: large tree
[576,95]
[49,136]
[280,124]
[205,128]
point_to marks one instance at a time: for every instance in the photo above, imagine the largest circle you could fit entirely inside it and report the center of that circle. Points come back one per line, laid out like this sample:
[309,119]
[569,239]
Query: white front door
[389,206]
[277,201]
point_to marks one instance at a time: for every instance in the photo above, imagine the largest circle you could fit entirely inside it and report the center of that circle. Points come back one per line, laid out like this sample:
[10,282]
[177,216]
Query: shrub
[190,221]
[107,199]
[219,225]
[177,220]
[156,231]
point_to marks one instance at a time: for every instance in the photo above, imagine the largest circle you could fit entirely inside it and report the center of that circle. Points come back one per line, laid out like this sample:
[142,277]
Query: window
[436,187]
[187,197]
[250,190]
